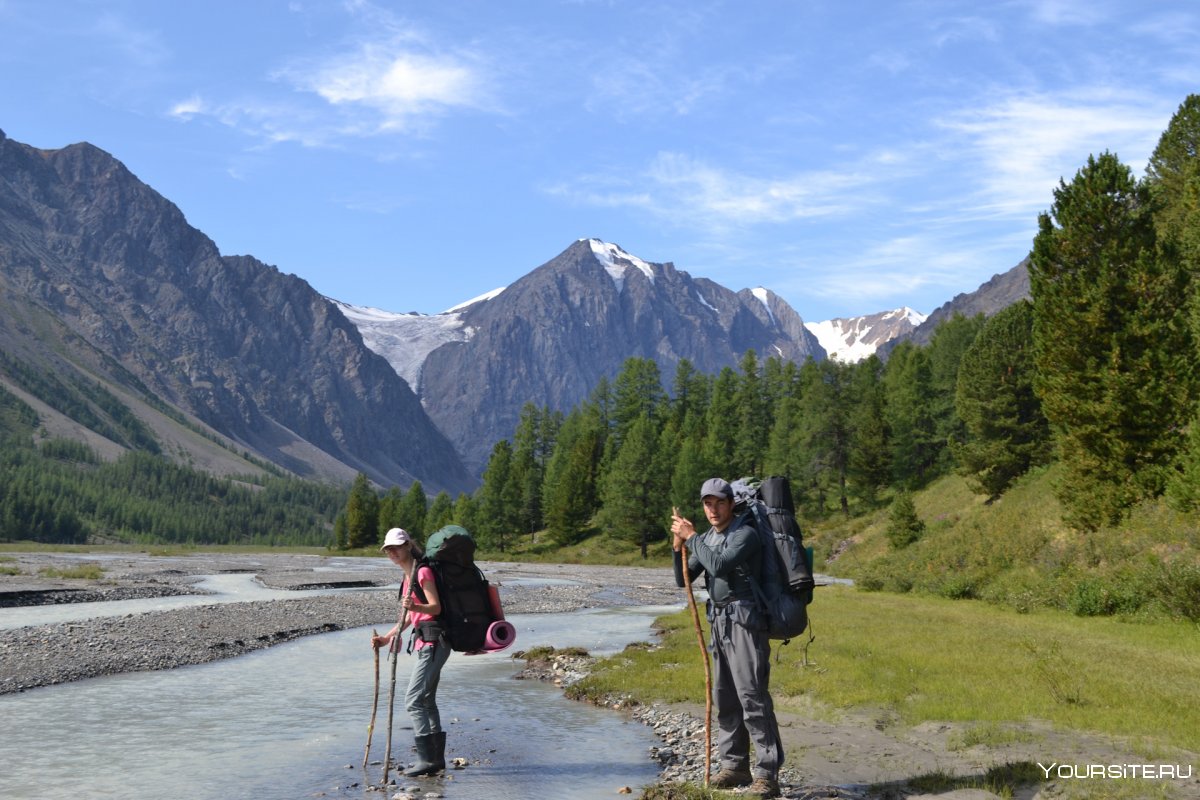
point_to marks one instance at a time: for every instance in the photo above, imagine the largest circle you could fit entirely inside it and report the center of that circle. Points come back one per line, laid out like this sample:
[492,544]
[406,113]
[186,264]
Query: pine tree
[690,392]
[389,511]
[908,398]
[825,431]
[721,424]
[466,512]
[1111,346]
[530,452]
[754,420]
[904,526]
[411,511]
[570,492]
[441,513]
[499,514]
[869,466]
[950,340]
[362,514]
[1005,432]
[633,493]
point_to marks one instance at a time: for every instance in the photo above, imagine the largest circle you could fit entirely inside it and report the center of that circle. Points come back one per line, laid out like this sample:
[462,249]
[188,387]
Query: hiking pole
[374,702]
[395,651]
[387,758]
[687,583]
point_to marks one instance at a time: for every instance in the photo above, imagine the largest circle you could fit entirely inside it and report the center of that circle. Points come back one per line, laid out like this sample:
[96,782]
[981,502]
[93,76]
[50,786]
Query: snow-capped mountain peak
[852,339]
[616,261]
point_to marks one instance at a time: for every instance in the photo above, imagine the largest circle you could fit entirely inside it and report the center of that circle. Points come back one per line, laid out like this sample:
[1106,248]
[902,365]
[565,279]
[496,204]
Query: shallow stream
[291,722]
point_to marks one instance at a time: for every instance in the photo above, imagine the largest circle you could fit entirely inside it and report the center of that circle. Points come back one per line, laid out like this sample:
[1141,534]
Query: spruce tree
[1111,346]
[1173,178]
[1005,432]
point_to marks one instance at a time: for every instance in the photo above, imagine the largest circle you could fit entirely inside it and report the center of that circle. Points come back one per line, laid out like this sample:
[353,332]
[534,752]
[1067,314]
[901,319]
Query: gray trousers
[741,654]
[421,699]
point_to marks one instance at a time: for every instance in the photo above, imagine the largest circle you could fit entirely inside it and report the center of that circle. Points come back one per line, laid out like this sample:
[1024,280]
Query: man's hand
[682,529]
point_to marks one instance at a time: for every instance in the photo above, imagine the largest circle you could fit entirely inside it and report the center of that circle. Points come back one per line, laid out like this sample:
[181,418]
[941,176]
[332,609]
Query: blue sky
[851,156]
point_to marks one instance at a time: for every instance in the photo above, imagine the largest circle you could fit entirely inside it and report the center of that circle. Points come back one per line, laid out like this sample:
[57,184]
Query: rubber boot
[439,751]
[426,751]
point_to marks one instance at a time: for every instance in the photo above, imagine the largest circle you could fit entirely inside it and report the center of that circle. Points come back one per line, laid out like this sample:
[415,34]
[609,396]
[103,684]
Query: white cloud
[692,193]
[399,85]
[1022,145]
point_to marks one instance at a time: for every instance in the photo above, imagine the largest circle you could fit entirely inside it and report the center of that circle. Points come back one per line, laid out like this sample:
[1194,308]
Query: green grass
[920,659]
[1018,553]
[89,572]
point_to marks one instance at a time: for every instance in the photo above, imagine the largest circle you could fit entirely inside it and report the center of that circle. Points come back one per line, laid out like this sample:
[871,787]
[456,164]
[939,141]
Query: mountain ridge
[256,356]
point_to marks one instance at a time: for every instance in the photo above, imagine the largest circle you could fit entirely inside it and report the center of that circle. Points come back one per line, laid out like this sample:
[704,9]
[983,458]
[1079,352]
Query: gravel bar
[43,655]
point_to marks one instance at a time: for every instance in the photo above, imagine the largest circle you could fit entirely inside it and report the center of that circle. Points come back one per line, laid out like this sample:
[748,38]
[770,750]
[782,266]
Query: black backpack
[786,585]
[467,609]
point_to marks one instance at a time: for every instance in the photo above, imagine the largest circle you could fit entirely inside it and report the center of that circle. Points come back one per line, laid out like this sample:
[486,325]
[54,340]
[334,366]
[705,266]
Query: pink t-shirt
[424,578]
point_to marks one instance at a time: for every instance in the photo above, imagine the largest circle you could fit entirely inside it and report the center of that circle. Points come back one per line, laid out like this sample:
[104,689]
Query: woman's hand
[382,641]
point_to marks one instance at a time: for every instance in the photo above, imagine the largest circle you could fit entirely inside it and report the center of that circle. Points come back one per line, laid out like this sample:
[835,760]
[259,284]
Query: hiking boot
[439,750]
[730,778]
[426,747]
[764,787]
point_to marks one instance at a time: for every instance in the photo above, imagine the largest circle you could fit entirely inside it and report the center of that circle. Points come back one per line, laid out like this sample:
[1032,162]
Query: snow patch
[840,343]
[616,262]
[406,340]
[707,304]
[764,297]
[474,300]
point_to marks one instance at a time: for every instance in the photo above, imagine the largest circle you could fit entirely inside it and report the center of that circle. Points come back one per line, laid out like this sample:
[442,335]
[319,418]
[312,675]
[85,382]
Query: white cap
[395,537]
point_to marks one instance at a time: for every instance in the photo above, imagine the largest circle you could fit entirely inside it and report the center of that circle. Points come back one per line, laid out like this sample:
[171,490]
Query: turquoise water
[291,722]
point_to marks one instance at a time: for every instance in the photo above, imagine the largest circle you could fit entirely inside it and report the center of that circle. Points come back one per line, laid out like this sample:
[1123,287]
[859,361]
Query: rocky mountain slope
[550,336]
[102,281]
[999,292]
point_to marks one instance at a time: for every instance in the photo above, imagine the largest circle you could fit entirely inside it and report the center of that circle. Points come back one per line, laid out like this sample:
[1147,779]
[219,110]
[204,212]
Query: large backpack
[786,585]
[467,604]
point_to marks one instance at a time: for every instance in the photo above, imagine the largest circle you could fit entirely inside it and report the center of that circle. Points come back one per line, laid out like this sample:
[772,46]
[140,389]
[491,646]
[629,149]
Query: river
[291,722]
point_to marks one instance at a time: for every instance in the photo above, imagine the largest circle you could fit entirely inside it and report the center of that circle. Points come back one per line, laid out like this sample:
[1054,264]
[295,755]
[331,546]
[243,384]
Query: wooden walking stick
[374,702]
[687,583]
[395,651]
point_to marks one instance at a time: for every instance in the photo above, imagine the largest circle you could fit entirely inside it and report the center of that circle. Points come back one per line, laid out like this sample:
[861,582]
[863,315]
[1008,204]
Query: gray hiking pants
[741,654]
[421,699]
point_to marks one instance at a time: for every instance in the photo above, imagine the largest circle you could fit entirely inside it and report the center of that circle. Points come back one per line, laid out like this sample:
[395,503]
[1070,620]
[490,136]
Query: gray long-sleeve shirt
[720,555]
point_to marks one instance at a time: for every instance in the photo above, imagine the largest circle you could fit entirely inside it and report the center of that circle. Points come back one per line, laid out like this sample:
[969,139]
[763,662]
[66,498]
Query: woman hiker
[420,608]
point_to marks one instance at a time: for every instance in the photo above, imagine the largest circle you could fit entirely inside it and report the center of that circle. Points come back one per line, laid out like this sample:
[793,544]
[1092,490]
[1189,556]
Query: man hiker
[728,554]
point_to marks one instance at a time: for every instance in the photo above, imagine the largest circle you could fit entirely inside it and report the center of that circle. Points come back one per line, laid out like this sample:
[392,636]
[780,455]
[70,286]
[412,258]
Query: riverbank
[42,655]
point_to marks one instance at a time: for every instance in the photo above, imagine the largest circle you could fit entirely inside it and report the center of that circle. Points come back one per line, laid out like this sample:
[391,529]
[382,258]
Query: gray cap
[717,487]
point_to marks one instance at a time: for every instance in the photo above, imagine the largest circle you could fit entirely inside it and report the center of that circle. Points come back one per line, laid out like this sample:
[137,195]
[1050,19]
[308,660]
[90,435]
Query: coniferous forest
[1094,380]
